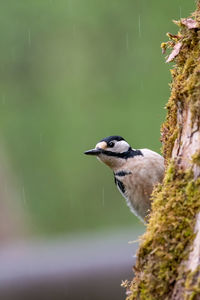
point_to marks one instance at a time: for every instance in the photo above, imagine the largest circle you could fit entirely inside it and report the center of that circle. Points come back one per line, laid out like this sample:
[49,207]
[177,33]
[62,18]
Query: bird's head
[113,151]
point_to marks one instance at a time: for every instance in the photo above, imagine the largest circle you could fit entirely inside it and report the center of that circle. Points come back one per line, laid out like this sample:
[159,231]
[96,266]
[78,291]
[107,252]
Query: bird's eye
[111,144]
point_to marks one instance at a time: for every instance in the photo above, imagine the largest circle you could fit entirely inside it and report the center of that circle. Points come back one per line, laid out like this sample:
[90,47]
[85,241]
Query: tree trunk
[168,262]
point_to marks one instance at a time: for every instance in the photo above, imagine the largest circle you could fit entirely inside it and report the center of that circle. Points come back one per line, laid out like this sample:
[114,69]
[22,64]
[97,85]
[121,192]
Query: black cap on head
[112,138]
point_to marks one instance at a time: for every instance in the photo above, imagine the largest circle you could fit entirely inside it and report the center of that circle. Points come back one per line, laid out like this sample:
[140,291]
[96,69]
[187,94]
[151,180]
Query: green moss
[192,285]
[196,158]
[185,87]
[176,202]
[169,232]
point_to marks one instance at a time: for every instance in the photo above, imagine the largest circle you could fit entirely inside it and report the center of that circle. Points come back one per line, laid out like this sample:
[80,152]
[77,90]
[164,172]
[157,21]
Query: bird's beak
[96,151]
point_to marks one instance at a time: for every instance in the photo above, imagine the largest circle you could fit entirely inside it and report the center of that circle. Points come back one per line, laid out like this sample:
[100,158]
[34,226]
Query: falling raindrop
[127,41]
[180,12]
[103,196]
[23,195]
[29,36]
[139,25]
[69,6]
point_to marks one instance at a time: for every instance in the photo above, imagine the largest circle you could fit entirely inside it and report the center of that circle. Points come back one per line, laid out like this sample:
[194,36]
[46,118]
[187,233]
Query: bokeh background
[73,72]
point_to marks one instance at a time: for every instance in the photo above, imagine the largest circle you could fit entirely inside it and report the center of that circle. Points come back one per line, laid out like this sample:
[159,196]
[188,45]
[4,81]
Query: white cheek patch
[120,147]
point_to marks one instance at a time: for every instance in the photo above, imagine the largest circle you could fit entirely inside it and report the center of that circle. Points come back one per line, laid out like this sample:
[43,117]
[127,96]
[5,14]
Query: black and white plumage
[135,171]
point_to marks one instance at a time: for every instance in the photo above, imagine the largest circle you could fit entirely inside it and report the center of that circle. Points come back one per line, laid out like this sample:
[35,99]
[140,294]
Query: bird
[136,171]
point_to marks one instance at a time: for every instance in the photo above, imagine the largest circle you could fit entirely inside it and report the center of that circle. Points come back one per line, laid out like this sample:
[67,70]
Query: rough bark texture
[168,263]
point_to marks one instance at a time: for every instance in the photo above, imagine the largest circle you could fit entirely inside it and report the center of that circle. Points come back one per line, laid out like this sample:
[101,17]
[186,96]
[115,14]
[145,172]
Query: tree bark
[168,261]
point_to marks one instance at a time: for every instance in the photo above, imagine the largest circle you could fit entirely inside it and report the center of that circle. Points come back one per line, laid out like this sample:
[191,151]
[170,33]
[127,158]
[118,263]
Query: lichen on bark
[165,266]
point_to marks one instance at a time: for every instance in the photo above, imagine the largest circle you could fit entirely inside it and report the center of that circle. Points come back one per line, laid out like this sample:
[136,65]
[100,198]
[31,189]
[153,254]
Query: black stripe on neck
[125,155]
[122,173]
[120,185]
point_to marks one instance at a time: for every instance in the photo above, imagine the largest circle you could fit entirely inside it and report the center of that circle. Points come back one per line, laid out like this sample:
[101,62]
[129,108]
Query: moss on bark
[170,232]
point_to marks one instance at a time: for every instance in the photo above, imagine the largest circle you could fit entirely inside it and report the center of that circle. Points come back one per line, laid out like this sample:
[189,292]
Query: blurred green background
[73,72]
